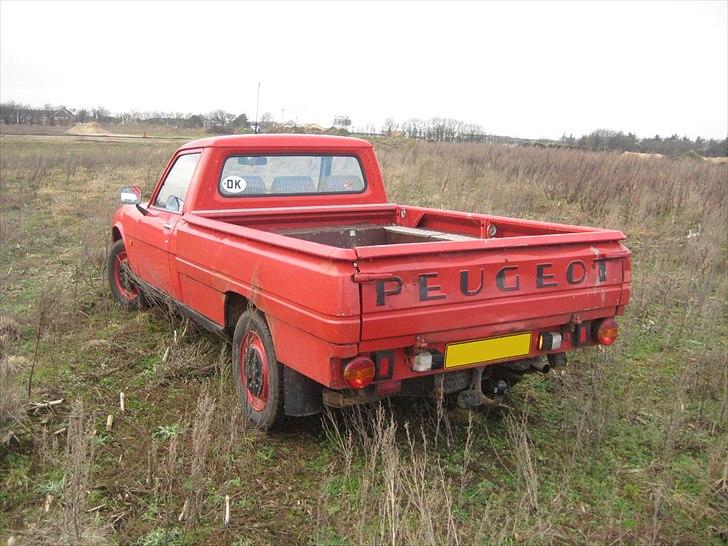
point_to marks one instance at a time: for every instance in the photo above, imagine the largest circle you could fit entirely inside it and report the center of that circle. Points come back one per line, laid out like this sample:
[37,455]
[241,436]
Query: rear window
[245,175]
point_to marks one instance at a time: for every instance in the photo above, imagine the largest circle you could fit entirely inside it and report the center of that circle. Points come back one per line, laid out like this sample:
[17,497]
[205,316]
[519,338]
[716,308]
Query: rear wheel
[258,375]
[121,280]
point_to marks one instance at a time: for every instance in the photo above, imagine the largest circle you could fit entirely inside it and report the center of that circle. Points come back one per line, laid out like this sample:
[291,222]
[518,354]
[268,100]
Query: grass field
[627,445]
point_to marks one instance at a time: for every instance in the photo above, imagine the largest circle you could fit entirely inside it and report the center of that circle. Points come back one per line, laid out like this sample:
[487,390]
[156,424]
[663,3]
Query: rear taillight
[359,372]
[606,331]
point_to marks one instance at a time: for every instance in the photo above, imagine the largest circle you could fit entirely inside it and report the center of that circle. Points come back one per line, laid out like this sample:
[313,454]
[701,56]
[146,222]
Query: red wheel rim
[121,276]
[254,371]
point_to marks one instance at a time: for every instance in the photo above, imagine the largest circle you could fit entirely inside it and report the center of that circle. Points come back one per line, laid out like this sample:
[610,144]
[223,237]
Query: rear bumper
[324,361]
[394,361]
[502,326]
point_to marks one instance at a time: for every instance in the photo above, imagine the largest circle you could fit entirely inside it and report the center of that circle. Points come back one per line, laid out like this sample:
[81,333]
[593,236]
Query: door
[149,255]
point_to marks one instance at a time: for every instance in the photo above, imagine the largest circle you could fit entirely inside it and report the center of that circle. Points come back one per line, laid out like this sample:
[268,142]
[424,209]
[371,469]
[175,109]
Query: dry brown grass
[78,462]
[69,519]
[200,449]
[404,495]
[9,332]
[521,451]
[12,368]
[12,415]
[184,360]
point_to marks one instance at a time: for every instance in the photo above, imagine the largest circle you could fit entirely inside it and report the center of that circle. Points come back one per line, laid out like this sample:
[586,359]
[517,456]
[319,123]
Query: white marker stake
[109,422]
[121,401]
[183,513]
[227,509]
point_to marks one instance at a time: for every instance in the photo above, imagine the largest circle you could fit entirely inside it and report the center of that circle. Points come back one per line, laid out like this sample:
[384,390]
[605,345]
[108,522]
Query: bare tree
[219,119]
[100,113]
[266,119]
[390,126]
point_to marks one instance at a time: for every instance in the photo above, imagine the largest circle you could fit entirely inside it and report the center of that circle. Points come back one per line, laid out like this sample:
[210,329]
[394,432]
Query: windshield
[290,175]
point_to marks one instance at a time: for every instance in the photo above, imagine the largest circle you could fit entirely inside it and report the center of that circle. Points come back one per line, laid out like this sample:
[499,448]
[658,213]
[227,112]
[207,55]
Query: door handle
[167,226]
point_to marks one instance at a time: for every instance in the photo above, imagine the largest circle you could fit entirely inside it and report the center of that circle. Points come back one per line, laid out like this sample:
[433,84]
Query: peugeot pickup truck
[287,246]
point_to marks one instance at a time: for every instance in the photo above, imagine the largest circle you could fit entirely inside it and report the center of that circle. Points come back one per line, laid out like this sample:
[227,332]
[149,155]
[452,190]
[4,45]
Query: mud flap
[301,395]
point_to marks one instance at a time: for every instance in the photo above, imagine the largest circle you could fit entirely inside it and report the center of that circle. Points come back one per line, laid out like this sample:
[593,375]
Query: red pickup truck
[286,245]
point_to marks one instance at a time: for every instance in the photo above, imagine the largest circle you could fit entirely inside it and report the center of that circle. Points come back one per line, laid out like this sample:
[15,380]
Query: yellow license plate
[487,350]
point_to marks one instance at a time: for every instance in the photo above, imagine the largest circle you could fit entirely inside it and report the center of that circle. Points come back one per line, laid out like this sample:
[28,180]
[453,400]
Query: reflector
[359,372]
[606,331]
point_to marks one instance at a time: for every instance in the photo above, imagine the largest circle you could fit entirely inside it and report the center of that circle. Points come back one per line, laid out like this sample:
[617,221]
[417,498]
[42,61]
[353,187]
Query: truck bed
[375,230]
[352,236]
[480,275]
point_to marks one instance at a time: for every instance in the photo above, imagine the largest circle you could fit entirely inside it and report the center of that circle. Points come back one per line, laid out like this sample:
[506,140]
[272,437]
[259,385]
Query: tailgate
[410,294]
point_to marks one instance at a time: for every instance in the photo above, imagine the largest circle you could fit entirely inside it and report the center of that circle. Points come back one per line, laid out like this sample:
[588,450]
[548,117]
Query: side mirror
[131,195]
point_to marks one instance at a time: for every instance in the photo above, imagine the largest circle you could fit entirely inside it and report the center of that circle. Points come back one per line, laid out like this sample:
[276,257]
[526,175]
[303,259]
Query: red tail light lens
[606,331]
[359,372]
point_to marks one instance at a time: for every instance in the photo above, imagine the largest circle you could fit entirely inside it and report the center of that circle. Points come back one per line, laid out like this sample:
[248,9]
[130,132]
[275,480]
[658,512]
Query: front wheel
[121,280]
[258,375]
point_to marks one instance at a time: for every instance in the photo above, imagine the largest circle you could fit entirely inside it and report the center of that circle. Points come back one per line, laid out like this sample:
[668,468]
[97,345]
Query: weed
[46,311]
[165,432]
[161,536]
[521,451]
[11,395]
[78,464]
[200,447]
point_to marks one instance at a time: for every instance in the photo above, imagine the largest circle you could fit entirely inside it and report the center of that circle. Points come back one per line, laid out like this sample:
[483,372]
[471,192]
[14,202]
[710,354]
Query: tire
[257,374]
[125,292]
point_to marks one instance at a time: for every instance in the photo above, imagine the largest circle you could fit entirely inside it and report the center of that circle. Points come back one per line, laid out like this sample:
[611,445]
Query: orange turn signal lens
[549,341]
[606,331]
[359,372]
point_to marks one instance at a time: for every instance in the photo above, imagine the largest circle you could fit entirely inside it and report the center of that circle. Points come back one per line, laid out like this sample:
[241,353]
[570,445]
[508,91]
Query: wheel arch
[301,395]
[235,305]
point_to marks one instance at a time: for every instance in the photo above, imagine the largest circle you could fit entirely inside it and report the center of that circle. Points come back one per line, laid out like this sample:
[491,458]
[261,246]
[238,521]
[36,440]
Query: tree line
[216,121]
[436,129]
[223,122]
[606,140]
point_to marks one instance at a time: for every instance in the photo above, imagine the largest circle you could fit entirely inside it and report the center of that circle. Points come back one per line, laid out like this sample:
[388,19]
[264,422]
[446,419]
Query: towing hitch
[474,396]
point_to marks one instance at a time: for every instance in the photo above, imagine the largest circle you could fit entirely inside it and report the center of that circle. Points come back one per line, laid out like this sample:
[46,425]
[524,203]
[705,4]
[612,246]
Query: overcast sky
[521,69]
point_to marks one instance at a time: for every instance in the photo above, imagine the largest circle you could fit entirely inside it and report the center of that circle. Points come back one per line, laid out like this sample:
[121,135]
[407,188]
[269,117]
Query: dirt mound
[91,128]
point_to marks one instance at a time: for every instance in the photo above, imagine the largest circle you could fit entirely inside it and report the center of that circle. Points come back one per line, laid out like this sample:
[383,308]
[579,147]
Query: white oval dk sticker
[233,184]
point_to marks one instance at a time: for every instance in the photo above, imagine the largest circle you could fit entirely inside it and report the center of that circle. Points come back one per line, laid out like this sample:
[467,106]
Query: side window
[174,188]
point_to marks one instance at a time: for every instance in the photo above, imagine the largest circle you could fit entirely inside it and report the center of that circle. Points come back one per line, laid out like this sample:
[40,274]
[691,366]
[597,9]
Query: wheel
[123,288]
[258,375]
